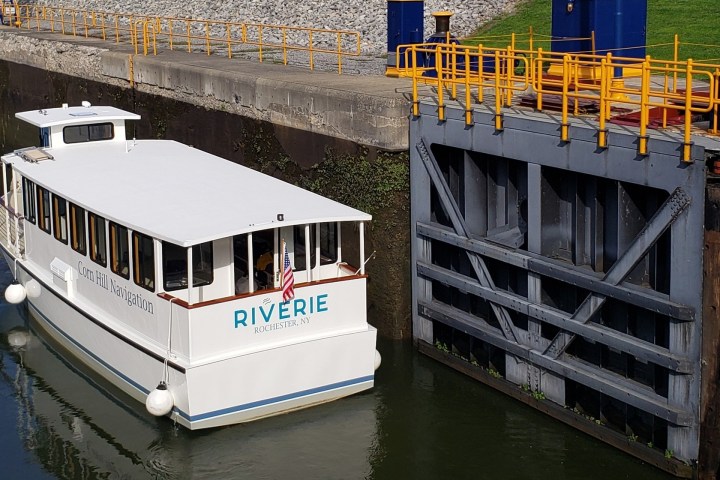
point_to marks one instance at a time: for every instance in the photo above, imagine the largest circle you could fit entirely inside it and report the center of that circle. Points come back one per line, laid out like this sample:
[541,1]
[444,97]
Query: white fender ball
[160,401]
[18,338]
[15,293]
[378,359]
[33,289]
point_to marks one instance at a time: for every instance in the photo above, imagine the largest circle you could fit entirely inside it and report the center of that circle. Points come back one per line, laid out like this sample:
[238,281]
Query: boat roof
[75,115]
[177,193]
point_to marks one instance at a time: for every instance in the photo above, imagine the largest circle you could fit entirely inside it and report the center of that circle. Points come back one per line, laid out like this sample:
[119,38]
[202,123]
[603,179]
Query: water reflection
[76,427]
[421,421]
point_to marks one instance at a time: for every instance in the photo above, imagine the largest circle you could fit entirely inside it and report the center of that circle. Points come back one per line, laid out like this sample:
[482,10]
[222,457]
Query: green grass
[695,21]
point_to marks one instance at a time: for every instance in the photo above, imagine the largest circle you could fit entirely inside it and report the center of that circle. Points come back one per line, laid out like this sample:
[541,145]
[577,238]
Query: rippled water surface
[421,421]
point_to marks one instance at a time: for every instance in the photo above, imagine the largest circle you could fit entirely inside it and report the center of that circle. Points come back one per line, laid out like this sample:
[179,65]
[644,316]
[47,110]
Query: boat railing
[348,273]
[12,229]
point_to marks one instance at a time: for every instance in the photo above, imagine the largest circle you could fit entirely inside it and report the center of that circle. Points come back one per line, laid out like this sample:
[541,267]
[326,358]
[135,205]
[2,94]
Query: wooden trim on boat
[182,303]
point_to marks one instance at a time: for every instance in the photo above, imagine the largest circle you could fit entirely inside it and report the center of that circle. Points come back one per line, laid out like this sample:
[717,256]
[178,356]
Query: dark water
[421,421]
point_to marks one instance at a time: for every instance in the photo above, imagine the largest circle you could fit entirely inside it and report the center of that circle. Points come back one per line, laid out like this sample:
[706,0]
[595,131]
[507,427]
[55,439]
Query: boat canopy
[174,192]
[53,117]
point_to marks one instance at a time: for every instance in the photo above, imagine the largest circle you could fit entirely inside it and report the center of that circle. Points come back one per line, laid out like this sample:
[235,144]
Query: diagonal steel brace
[458,222]
[666,215]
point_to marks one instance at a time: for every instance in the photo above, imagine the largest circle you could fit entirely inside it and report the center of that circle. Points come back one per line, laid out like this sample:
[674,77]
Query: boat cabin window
[119,250]
[144,261]
[29,196]
[263,252]
[8,178]
[242,272]
[328,245]
[88,133]
[98,239]
[60,219]
[77,229]
[174,259]
[43,202]
[45,137]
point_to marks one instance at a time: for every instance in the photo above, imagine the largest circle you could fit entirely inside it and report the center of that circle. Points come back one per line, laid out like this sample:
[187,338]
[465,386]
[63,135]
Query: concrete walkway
[368,110]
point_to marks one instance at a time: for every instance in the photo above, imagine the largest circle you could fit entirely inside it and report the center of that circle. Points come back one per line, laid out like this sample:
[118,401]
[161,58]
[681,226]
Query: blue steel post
[405,26]
[619,27]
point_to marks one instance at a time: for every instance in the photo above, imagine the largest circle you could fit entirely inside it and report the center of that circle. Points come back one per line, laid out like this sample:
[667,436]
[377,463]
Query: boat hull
[234,389]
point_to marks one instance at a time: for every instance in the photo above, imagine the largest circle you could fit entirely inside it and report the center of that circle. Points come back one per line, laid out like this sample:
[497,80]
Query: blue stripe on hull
[281,398]
[216,413]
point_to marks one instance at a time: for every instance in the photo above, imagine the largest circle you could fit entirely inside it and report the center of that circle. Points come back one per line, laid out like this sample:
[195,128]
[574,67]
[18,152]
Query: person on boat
[264,268]
[265,262]
[242,283]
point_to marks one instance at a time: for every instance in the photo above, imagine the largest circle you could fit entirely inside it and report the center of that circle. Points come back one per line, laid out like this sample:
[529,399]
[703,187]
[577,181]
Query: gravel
[369,17]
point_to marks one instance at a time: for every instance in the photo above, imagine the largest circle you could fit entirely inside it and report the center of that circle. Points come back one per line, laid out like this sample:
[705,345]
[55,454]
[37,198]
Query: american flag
[288,279]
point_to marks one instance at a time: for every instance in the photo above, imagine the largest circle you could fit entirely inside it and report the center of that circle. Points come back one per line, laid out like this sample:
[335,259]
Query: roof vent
[86,104]
[35,155]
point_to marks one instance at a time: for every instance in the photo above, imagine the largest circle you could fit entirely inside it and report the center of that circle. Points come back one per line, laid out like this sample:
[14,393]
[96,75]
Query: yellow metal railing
[147,34]
[529,40]
[467,74]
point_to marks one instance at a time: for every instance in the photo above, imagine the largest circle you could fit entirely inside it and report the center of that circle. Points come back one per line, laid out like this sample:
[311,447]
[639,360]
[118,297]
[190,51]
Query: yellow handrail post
[62,21]
[687,144]
[339,52]
[74,24]
[440,87]
[133,36]
[608,74]
[602,128]
[312,52]
[644,107]
[187,30]
[538,80]
[453,71]
[715,100]
[416,99]
[171,31]
[564,126]
[509,70]
[131,71]
[229,39]
[37,16]
[260,43]
[676,52]
[481,74]
[531,38]
[575,79]
[207,38]
[284,45]
[498,94]
[468,96]
[154,37]
[146,38]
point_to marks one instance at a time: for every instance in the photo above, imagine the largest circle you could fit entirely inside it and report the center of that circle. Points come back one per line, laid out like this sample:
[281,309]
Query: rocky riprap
[369,17]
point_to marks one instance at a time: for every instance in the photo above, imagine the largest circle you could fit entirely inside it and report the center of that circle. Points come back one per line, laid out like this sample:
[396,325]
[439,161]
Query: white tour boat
[211,292]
